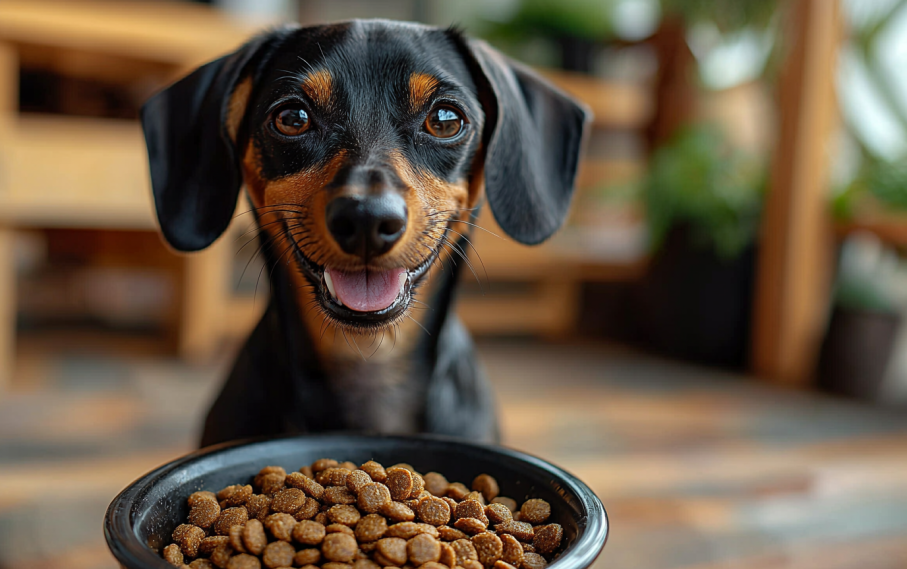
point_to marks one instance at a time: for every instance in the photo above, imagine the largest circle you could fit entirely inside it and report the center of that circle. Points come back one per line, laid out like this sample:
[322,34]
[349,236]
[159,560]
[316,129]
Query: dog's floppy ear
[195,173]
[533,137]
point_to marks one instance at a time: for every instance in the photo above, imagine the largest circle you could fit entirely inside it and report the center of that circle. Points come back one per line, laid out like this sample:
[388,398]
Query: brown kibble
[349,465]
[321,518]
[173,555]
[334,476]
[324,464]
[472,564]
[189,538]
[533,561]
[278,554]
[411,504]
[244,561]
[513,551]
[230,517]
[418,486]
[465,551]
[338,495]
[527,547]
[336,565]
[201,564]
[509,502]
[399,482]
[405,465]
[487,485]
[346,515]
[404,530]
[272,483]
[281,526]
[477,496]
[436,484]
[548,538]
[393,549]
[201,496]
[307,557]
[235,495]
[308,510]
[457,491]
[433,565]
[470,526]
[429,529]
[307,472]
[375,470]
[489,548]
[397,512]
[365,564]
[306,484]
[535,511]
[501,564]
[371,528]
[253,537]
[422,549]
[288,501]
[209,544]
[498,514]
[448,555]
[308,532]
[339,528]
[434,511]
[372,497]
[471,509]
[221,555]
[450,502]
[356,480]
[448,533]
[520,530]
[368,547]
[236,539]
[339,547]
[259,506]
[269,470]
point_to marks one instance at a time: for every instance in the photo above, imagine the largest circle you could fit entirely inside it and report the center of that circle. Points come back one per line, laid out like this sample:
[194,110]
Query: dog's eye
[292,122]
[444,122]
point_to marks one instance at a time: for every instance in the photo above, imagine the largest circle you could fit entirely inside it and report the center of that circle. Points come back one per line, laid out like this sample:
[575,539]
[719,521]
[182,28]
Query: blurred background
[713,342]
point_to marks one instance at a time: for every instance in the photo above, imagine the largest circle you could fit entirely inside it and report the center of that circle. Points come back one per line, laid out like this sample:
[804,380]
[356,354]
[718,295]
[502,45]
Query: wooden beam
[793,281]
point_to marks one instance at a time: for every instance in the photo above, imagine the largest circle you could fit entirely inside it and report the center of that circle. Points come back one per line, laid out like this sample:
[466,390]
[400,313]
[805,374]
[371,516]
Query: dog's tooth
[330,285]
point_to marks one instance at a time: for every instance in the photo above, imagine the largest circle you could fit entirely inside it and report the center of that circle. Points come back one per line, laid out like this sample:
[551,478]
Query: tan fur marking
[236,108]
[421,87]
[317,85]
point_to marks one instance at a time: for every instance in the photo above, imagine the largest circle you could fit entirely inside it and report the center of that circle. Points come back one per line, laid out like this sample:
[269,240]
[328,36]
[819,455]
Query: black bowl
[140,520]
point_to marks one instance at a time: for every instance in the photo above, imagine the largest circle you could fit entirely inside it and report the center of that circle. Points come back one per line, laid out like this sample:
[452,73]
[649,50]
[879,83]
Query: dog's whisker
[417,323]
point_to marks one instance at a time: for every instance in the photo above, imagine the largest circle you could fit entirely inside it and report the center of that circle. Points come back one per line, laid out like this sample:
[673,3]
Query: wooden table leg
[205,301]
[7,307]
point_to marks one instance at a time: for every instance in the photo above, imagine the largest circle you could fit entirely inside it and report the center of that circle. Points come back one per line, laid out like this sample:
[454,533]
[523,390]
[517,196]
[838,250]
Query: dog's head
[360,144]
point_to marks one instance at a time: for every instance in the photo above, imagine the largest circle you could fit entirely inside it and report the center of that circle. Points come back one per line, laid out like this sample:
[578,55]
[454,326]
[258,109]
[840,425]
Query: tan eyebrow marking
[421,86]
[317,85]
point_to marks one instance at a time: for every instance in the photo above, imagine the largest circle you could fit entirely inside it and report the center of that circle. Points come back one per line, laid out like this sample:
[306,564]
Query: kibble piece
[339,547]
[338,495]
[236,539]
[487,485]
[281,526]
[465,551]
[343,514]
[448,555]
[372,497]
[235,495]
[436,484]
[278,554]
[513,551]
[393,549]
[201,564]
[368,547]
[399,482]
[357,479]
[533,561]
[501,564]
[520,530]
[477,496]
[321,518]
[471,509]
[307,472]
[371,528]
[191,540]
[173,555]
[418,486]
[209,544]
[405,465]
[470,526]
[375,470]
[307,557]
[339,528]
[535,511]
[288,501]
[548,538]
[472,564]
[489,548]
[309,509]
[308,532]
[336,565]
[404,530]
[498,514]
[221,555]
[397,511]
[429,529]
[334,476]
[509,502]
[450,502]
[448,533]
[422,549]
[306,484]
[365,564]
[230,517]
[323,464]
[253,537]
[268,470]
[202,495]
[272,483]
[434,511]
[457,491]
[259,506]
[527,547]
[244,561]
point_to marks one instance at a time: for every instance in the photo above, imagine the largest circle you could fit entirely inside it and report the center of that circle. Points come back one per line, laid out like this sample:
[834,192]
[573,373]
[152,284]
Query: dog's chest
[381,397]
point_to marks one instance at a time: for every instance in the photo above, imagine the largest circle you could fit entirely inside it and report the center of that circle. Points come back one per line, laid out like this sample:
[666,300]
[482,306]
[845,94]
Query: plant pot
[856,351]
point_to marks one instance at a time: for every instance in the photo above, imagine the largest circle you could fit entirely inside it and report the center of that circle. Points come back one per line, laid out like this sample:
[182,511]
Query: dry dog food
[336,515]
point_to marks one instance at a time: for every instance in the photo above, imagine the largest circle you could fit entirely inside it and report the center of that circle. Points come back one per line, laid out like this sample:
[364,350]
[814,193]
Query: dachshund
[365,148]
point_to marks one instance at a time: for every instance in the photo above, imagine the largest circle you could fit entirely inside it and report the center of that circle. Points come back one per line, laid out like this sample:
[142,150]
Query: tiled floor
[697,469]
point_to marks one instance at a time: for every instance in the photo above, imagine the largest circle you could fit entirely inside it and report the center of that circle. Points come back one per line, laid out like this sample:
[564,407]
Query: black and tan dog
[365,148]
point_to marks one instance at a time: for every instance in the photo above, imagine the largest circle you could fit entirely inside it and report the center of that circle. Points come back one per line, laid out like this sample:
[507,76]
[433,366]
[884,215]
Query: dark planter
[856,352]
[695,305]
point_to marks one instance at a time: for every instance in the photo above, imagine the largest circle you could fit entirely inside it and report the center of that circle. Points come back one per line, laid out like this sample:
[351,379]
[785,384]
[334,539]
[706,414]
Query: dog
[366,149]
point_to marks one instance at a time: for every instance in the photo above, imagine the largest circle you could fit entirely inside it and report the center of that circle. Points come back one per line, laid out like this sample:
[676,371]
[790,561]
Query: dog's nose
[367,226]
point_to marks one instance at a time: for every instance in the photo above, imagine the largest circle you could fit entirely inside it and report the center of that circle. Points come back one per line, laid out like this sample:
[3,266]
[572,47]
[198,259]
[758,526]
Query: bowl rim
[127,548]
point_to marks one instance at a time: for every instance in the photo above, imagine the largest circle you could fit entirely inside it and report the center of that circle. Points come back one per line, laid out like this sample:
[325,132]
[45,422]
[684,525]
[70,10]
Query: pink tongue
[367,290]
